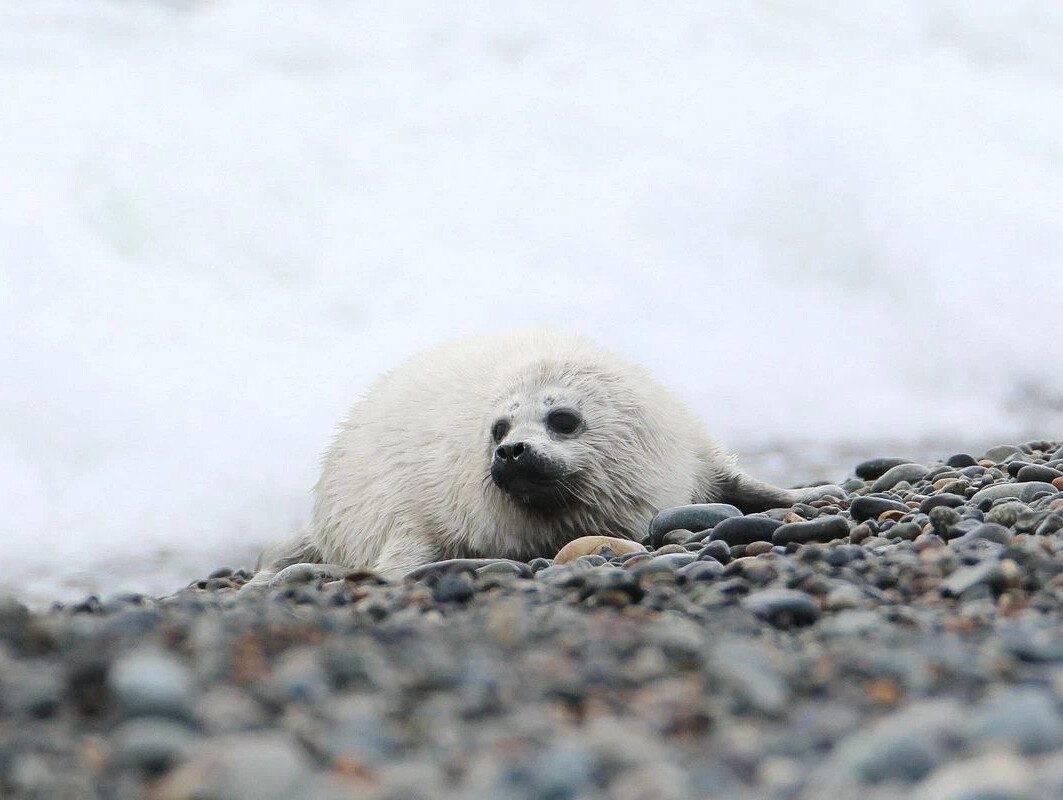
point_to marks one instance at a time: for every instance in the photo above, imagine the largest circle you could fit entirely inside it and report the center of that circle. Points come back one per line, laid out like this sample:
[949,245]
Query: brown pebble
[859,533]
[593,545]
[894,513]
[756,548]
[668,548]
[1058,483]
[883,692]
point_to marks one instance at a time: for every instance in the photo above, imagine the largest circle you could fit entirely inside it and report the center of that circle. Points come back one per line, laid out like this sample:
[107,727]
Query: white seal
[510,445]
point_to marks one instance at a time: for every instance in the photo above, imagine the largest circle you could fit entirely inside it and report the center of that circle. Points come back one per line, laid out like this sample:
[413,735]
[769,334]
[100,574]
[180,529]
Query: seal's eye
[499,430]
[563,420]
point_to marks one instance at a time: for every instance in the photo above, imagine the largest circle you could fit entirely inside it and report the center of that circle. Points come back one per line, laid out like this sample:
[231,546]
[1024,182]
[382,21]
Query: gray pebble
[151,681]
[744,530]
[823,529]
[695,517]
[151,744]
[783,607]
[987,573]
[901,472]
[875,468]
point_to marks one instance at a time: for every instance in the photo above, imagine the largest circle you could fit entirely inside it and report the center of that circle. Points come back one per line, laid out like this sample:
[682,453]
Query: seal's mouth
[528,478]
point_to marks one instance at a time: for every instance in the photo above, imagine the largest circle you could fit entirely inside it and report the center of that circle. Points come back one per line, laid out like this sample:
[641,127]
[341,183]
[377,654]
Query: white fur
[406,480]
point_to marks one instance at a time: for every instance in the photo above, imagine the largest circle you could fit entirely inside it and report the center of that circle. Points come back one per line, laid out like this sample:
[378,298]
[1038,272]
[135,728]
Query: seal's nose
[510,452]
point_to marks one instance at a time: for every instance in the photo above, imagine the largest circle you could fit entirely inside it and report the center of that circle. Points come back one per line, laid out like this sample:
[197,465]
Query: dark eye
[499,430]
[563,421]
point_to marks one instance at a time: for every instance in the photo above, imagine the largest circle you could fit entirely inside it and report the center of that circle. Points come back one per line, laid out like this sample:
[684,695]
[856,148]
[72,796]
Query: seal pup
[510,445]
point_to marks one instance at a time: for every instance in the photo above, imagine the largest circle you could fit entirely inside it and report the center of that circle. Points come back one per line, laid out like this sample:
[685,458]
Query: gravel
[903,640]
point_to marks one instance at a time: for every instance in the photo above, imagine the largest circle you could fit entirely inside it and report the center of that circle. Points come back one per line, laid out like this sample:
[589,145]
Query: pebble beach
[900,639]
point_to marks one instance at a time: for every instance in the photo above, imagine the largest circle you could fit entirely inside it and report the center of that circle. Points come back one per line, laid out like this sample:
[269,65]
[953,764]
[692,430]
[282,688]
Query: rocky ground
[902,640]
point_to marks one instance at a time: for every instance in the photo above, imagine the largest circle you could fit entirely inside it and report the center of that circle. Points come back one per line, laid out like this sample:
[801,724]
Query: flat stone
[1022,491]
[865,508]
[783,607]
[462,565]
[902,472]
[1024,718]
[151,681]
[266,765]
[1000,452]
[988,573]
[593,545]
[696,517]
[875,468]
[744,530]
[151,744]
[822,529]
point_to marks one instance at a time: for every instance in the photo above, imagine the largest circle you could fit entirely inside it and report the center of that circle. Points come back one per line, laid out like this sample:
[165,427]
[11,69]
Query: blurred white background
[836,228]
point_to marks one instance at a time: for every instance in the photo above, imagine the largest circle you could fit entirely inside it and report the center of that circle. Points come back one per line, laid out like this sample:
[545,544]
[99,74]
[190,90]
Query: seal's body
[510,445]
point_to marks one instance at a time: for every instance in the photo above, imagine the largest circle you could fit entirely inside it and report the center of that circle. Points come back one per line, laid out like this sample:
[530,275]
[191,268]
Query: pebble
[744,530]
[824,529]
[697,517]
[912,639]
[1022,491]
[986,573]
[783,607]
[902,472]
[151,744]
[263,765]
[865,508]
[875,468]
[151,681]
[999,453]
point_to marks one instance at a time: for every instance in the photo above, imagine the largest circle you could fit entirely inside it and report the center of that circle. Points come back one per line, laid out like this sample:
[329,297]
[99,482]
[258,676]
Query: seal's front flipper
[297,550]
[751,495]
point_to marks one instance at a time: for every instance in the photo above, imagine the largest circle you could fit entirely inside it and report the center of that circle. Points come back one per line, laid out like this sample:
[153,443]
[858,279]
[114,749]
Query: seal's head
[557,438]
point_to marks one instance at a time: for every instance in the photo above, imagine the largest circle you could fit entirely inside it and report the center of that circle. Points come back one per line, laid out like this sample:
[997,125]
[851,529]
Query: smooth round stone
[452,589]
[461,565]
[717,550]
[701,570]
[151,744]
[853,484]
[696,517]
[1058,483]
[783,607]
[1024,718]
[758,548]
[1015,467]
[678,536]
[1006,514]
[986,573]
[961,460]
[1000,452]
[865,508]
[932,502]
[666,563]
[875,468]
[1038,472]
[908,531]
[943,518]
[306,573]
[823,529]
[744,530]
[908,472]
[151,681]
[503,568]
[538,564]
[990,531]
[1022,491]
[593,545]
[267,765]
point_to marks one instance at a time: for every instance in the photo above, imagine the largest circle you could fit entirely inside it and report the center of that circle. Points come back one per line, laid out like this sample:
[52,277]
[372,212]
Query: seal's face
[534,448]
